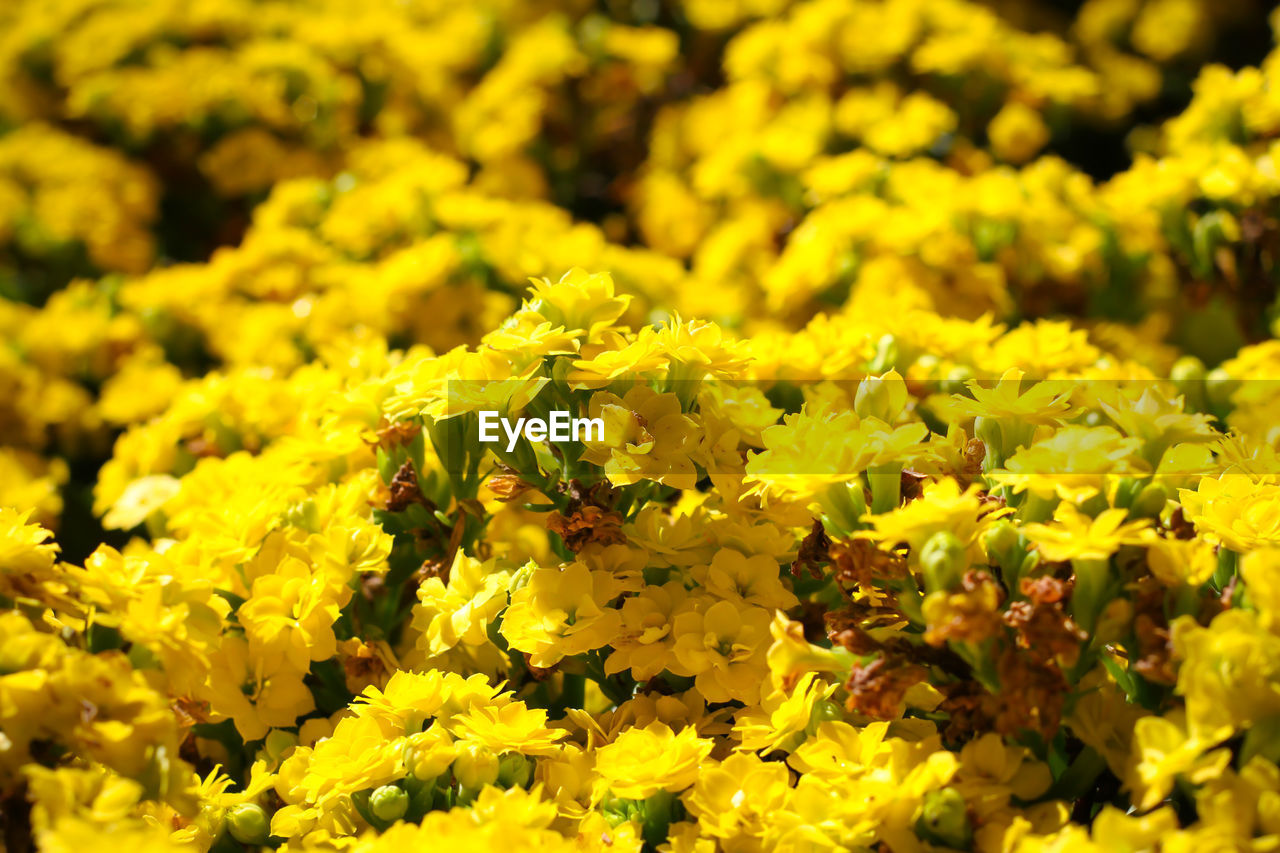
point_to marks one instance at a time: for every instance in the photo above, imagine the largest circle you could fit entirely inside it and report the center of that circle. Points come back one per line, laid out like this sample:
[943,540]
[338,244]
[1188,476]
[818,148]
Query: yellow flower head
[642,761]
[1075,536]
[562,611]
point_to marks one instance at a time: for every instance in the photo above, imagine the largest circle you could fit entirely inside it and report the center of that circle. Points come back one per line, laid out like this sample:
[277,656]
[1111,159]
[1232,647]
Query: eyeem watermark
[561,426]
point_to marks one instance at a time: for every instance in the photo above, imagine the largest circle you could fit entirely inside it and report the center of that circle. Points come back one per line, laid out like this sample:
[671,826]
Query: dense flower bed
[937,501]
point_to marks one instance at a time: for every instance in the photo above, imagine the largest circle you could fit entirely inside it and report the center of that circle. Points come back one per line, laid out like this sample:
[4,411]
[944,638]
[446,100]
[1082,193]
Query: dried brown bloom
[390,435]
[1043,626]
[970,615]
[966,704]
[1154,656]
[1179,526]
[842,632]
[1031,695]
[1045,589]
[814,551]
[912,484]
[879,688]
[859,562]
[508,486]
[190,711]
[403,491]
[362,665]
[974,454]
[588,524]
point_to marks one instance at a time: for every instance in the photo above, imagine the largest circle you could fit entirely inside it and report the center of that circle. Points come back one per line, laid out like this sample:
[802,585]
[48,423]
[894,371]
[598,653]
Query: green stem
[1078,778]
[886,487]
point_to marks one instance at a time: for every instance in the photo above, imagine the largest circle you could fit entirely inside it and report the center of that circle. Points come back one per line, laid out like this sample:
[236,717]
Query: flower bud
[475,766]
[886,355]
[824,710]
[1150,502]
[304,515]
[944,819]
[956,380]
[1188,374]
[514,770]
[278,742]
[1220,387]
[989,433]
[1211,231]
[248,824]
[1002,544]
[882,397]
[429,754]
[943,560]
[389,803]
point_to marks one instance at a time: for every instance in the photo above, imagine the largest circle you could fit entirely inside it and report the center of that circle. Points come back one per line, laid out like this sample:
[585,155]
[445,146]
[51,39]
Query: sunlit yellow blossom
[562,611]
[642,761]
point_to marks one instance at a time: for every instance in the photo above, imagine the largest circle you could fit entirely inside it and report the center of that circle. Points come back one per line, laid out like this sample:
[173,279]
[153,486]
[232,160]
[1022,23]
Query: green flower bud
[1090,595]
[304,515]
[1150,502]
[824,710]
[1188,375]
[882,397]
[955,382]
[475,767]
[428,754]
[1214,229]
[514,770]
[1220,387]
[943,560]
[248,824]
[1186,372]
[989,433]
[886,355]
[926,367]
[1002,543]
[944,819]
[277,742]
[389,803]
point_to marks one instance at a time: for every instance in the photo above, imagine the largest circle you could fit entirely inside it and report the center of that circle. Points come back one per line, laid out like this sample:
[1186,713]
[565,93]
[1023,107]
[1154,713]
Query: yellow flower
[739,798]
[1162,752]
[645,641]
[942,507]
[461,611]
[289,617]
[745,580]
[1230,673]
[512,727]
[725,647]
[1074,463]
[1017,133]
[561,612]
[782,716]
[257,698]
[1235,510]
[358,755]
[1018,399]
[1075,536]
[26,556]
[462,381]
[642,761]
[646,436]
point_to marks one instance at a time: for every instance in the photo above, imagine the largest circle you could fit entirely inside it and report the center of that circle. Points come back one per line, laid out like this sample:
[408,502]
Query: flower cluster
[935,503]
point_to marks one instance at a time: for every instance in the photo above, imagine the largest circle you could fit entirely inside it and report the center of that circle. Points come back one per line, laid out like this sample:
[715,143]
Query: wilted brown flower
[403,491]
[970,615]
[814,551]
[879,688]
[588,524]
[1043,627]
